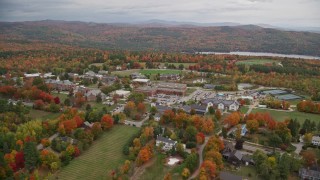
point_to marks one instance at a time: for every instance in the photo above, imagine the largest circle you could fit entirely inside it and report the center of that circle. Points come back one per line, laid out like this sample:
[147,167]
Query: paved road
[137,123]
[40,146]
[298,147]
[200,151]
[255,103]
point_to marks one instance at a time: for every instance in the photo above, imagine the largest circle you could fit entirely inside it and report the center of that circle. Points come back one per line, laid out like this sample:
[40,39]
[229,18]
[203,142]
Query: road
[254,104]
[137,123]
[40,146]
[195,174]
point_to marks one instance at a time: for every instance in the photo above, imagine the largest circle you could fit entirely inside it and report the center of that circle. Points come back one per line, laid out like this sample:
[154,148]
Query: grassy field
[244,109]
[61,96]
[158,170]
[102,157]
[161,71]
[257,61]
[281,116]
[186,65]
[43,115]
[125,73]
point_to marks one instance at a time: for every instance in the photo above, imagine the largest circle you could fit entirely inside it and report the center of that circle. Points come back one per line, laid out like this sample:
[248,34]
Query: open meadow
[103,156]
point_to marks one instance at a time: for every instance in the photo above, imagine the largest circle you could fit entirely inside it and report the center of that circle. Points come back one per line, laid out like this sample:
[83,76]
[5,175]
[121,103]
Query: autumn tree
[106,122]
[185,173]
[252,125]
[208,126]
[200,138]
[210,169]
[309,158]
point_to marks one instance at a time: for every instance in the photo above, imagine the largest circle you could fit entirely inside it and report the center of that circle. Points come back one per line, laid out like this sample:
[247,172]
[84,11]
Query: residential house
[209,86]
[137,75]
[222,104]
[315,140]
[166,143]
[310,174]
[64,85]
[157,117]
[109,80]
[201,110]
[169,77]
[92,94]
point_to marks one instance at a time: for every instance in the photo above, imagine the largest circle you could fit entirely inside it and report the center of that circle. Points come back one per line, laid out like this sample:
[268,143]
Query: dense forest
[48,34]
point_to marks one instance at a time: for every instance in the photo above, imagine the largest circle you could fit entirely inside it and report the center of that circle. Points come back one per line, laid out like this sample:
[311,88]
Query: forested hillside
[48,34]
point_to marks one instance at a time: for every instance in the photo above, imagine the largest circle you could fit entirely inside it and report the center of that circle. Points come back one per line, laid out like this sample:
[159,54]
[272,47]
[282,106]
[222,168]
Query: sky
[286,13]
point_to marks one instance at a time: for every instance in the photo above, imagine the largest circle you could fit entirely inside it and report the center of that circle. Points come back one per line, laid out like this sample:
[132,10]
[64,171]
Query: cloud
[290,12]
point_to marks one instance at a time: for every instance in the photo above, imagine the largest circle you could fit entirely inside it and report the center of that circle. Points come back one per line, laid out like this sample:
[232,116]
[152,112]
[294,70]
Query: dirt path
[140,170]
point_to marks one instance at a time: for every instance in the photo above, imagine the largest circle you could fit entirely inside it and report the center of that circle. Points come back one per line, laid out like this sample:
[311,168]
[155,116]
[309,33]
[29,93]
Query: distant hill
[152,36]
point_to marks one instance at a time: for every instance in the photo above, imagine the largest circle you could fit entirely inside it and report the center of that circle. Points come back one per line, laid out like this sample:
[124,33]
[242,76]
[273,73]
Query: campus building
[163,88]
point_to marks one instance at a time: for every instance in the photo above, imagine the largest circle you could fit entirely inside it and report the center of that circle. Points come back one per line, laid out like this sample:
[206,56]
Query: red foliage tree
[57,100]
[107,121]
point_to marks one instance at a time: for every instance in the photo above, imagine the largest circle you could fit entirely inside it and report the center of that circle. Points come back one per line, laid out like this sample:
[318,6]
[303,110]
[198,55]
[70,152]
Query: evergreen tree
[31,155]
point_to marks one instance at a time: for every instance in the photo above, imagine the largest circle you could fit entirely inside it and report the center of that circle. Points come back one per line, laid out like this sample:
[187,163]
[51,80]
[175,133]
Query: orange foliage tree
[107,122]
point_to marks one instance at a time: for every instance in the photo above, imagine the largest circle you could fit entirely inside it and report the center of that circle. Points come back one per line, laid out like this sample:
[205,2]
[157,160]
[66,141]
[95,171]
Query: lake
[264,54]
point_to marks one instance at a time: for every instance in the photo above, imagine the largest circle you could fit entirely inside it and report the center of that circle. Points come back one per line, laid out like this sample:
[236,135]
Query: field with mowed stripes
[104,155]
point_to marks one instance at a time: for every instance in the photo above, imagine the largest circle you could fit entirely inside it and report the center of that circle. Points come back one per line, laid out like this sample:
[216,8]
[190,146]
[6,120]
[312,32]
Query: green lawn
[103,156]
[246,172]
[281,116]
[186,65]
[158,170]
[43,115]
[257,61]
[190,91]
[61,96]
[161,71]
[244,109]
[125,73]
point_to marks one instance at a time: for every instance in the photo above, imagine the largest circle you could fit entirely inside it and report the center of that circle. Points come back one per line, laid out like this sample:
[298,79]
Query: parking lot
[164,99]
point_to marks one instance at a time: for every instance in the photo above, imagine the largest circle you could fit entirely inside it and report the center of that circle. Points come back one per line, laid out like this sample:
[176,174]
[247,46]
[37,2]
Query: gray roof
[216,101]
[161,109]
[94,92]
[237,154]
[310,173]
[209,86]
[165,140]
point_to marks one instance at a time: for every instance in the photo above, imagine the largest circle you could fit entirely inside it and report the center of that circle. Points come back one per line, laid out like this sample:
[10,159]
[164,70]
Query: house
[228,176]
[315,140]
[122,93]
[310,174]
[109,80]
[141,81]
[48,75]
[166,143]
[157,117]
[234,156]
[201,110]
[33,75]
[92,94]
[73,76]
[169,77]
[209,86]
[162,109]
[64,85]
[244,129]
[221,104]
[137,75]
[87,124]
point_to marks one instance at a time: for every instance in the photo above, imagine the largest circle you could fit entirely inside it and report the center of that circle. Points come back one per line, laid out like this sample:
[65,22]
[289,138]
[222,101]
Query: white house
[315,140]
[166,143]
[222,104]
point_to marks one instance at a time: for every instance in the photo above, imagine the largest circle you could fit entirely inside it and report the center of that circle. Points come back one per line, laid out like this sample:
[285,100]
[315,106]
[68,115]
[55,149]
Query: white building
[122,93]
[315,140]
[222,104]
[166,143]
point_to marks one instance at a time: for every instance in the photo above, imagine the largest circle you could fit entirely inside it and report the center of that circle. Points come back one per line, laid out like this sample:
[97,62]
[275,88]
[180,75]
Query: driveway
[137,123]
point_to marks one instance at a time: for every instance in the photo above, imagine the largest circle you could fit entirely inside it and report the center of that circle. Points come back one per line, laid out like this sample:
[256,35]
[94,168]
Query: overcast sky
[296,13]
